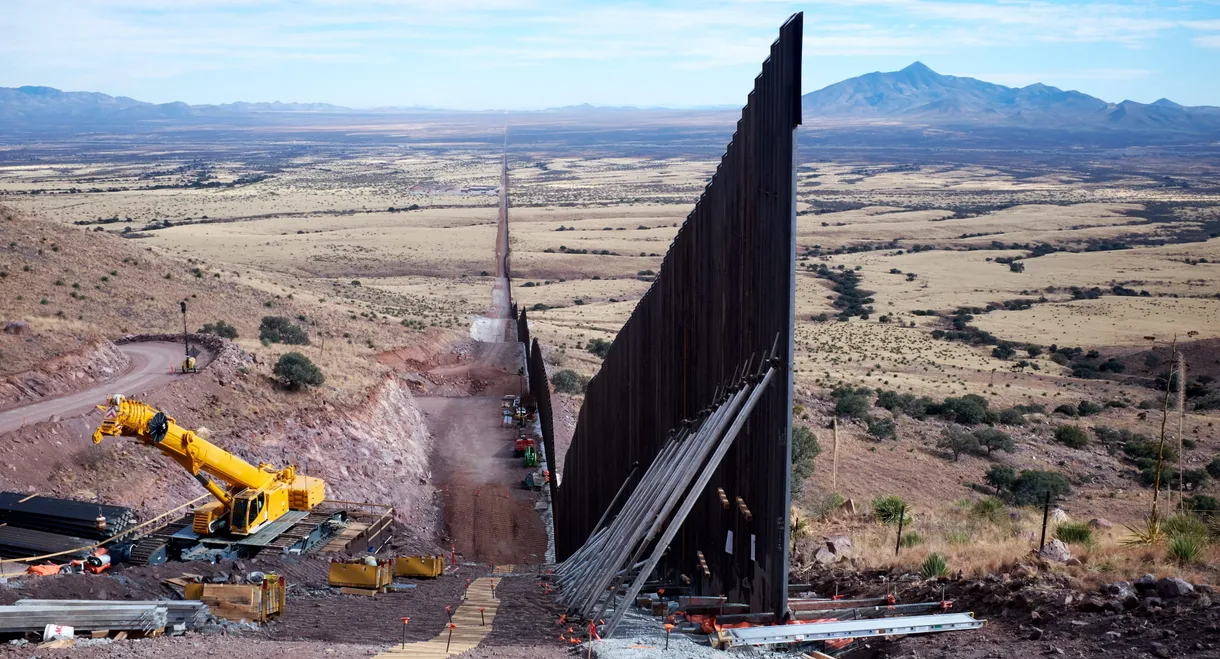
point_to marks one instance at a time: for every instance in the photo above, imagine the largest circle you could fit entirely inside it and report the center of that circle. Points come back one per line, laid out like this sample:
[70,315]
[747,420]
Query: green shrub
[889,509]
[994,440]
[599,347]
[1202,505]
[569,382]
[278,329]
[219,328]
[881,428]
[969,410]
[852,405]
[1012,417]
[1067,410]
[958,441]
[934,566]
[1074,533]
[1001,477]
[1088,408]
[1032,485]
[1071,436]
[805,450]
[296,370]
[910,539]
[1213,467]
[1184,549]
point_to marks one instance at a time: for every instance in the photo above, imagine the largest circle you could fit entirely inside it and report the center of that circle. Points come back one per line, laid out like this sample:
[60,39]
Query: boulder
[1145,583]
[1058,515]
[1056,551]
[823,556]
[1100,523]
[839,545]
[17,327]
[1171,587]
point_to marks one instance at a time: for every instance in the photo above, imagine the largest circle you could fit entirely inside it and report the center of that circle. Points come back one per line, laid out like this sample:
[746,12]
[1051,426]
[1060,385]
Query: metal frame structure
[829,631]
[724,297]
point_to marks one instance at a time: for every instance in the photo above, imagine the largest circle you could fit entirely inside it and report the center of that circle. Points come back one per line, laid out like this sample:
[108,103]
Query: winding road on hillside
[152,365]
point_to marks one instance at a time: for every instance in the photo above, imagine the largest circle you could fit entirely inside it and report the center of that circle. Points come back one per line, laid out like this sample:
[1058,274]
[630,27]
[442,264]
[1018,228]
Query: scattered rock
[823,556]
[1145,583]
[839,545]
[1159,650]
[1058,515]
[1100,523]
[1073,562]
[1035,634]
[17,327]
[1171,587]
[1056,551]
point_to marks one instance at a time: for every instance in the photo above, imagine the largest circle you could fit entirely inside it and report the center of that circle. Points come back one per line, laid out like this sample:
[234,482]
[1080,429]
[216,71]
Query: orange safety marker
[668,628]
[562,619]
[449,613]
[451,628]
[404,632]
[481,617]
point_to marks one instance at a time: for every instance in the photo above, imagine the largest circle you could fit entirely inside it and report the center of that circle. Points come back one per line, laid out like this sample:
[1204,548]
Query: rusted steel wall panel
[724,297]
[540,388]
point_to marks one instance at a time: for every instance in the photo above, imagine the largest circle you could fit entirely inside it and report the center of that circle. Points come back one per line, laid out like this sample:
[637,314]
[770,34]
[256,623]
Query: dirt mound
[94,362]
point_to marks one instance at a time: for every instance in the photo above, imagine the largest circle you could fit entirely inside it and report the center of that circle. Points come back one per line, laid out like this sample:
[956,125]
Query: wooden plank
[469,629]
[370,592]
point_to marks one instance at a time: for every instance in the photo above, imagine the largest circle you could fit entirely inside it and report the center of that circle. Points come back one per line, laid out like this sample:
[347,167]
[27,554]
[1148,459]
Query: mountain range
[916,95]
[919,94]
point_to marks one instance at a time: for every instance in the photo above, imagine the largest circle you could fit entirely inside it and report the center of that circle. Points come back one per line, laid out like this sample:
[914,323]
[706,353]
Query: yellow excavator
[253,496]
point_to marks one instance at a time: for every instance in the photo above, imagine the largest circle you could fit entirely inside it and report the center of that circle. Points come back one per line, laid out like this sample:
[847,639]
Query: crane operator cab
[250,512]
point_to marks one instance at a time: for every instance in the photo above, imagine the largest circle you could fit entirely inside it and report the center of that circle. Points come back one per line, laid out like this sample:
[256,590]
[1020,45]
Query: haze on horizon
[529,54]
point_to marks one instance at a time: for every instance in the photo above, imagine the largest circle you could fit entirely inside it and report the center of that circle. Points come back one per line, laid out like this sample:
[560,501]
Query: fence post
[902,516]
[1046,512]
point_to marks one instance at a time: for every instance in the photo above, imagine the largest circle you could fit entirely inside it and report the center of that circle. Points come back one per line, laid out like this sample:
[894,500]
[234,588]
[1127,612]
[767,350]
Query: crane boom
[254,496]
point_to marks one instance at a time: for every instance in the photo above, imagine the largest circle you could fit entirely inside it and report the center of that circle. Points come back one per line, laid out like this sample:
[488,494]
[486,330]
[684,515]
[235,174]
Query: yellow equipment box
[427,567]
[361,575]
[253,602]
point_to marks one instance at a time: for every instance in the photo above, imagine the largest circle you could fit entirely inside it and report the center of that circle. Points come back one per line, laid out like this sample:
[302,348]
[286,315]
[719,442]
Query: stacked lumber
[98,615]
[250,602]
[63,516]
[190,613]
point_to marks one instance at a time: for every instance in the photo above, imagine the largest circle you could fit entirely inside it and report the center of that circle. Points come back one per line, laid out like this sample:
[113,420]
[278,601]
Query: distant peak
[1166,103]
[918,67]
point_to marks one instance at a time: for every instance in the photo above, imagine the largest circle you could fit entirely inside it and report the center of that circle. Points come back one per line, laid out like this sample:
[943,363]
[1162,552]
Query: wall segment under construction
[724,298]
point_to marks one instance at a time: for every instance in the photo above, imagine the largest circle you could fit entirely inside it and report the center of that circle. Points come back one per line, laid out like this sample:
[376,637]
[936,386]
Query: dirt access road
[488,515]
[151,366]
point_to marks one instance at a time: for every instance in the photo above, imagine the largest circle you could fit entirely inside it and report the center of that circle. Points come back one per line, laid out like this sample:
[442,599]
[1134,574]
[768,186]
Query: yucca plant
[1074,533]
[798,526]
[934,566]
[1149,532]
[1184,524]
[1184,549]
[888,510]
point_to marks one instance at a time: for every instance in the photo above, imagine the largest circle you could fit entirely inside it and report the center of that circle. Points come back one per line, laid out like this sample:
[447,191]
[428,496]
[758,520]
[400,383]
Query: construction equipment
[96,563]
[362,574]
[523,443]
[254,602]
[426,567]
[254,497]
[531,456]
[536,479]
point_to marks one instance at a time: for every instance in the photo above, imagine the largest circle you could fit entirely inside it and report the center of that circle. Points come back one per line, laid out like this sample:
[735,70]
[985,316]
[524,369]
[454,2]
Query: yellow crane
[253,496]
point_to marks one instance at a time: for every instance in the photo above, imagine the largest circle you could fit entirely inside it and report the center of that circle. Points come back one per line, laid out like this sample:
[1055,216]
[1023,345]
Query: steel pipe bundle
[20,543]
[191,613]
[64,516]
[115,616]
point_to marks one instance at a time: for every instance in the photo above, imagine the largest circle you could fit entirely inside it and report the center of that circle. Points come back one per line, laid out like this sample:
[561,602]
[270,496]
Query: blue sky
[510,54]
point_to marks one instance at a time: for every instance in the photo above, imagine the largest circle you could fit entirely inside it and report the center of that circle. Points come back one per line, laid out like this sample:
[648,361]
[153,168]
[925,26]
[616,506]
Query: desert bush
[219,328]
[908,404]
[296,370]
[1213,467]
[958,441]
[1001,477]
[1184,524]
[805,450]
[851,403]
[569,382]
[969,410]
[1071,436]
[599,347]
[1032,485]
[1012,417]
[1074,533]
[278,329]
[1067,410]
[991,509]
[1203,505]
[1088,408]
[911,539]
[994,440]
[1184,549]
[934,566]
[889,509]
[881,428]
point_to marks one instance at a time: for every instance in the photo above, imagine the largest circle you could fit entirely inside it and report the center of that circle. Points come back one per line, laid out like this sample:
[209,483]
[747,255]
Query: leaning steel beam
[696,492]
[724,291]
[827,631]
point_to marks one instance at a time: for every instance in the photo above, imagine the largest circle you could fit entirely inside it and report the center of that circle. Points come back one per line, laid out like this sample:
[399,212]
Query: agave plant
[1184,549]
[934,566]
[1149,532]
